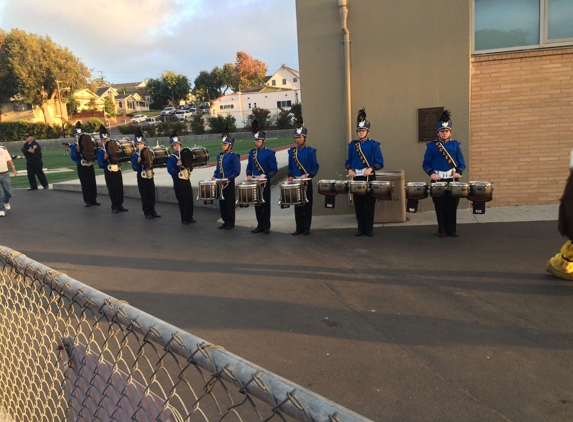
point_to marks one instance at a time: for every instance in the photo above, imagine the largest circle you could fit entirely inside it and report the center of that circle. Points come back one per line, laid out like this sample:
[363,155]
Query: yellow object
[561,265]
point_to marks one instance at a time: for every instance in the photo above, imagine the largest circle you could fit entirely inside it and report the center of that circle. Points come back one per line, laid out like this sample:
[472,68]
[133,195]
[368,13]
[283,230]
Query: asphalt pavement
[402,326]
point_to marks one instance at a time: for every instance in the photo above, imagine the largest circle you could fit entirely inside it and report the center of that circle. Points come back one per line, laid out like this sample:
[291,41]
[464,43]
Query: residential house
[285,78]
[130,103]
[139,88]
[88,100]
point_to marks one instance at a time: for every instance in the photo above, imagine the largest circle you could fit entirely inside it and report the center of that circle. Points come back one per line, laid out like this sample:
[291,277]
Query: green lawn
[59,159]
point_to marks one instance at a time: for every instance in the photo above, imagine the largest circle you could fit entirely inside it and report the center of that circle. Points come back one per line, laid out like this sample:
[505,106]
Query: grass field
[61,160]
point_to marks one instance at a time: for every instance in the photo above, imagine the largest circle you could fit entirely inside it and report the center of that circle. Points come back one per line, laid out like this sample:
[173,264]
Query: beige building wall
[405,55]
[522,124]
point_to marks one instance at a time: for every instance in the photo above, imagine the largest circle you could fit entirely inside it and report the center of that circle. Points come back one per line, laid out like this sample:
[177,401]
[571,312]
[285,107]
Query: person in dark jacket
[33,153]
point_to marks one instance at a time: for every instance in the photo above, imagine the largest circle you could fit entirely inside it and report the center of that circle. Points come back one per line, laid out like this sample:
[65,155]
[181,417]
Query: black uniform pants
[184,195]
[364,206]
[263,211]
[147,193]
[303,213]
[227,205]
[34,169]
[114,183]
[87,177]
[446,212]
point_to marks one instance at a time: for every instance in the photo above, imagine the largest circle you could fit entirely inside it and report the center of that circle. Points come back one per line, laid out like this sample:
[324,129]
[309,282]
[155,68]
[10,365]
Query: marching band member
[112,174]
[262,162]
[86,171]
[181,182]
[228,167]
[145,182]
[302,163]
[444,161]
[364,158]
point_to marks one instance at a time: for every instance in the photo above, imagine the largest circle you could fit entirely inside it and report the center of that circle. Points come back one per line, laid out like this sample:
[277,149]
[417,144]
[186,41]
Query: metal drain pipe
[343,12]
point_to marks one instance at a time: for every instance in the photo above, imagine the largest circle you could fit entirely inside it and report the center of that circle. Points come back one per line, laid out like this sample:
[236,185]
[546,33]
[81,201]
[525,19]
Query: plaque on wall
[428,119]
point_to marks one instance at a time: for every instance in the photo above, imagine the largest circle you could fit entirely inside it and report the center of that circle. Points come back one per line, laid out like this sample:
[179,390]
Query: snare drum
[358,187]
[326,187]
[459,189]
[292,193]
[481,191]
[209,190]
[249,193]
[341,186]
[416,190]
[381,189]
[438,189]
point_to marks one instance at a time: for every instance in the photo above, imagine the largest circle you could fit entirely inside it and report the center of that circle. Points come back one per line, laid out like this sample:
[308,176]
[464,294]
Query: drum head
[113,151]
[187,157]
[87,147]
[147,158]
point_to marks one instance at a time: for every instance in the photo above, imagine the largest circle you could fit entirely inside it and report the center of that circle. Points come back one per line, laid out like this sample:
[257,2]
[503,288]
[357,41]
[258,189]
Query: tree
[109,107]
[31,67]
[206,86]
[218,123]
[261,115]
[226,78]
[251,71]
[169,89]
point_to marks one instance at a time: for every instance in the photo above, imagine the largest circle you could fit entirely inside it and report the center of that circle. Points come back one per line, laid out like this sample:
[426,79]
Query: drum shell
[416,190]
[358,187]
[459,189]
[209,190]
[381,189]
[292,193]
[199,157]
[481,191]
[438,189]
[249,193]
[326,187]
[341,186]
[160,156]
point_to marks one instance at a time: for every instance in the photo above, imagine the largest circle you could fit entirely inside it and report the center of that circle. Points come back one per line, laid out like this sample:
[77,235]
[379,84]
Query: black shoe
[266,231]
[155,215]
[359,233]
[257,230]
[296,233]
[47,187]
[452,234]
[185,222]
[192,220]
[87,204]
[32,188]
[122,209]
[306,233]
[370,234]
[441,234]
[222,226]
[95,203]
[115,210]
[229,227]
[149,216]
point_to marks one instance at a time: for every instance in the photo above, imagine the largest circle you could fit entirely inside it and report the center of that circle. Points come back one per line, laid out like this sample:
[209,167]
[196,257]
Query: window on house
[227,106]
[274,83]
[506,25]
[284,81]
[254,105]
[120,104]
[22,107]
[295,79]
[249,105]
[282,104]
[130,105]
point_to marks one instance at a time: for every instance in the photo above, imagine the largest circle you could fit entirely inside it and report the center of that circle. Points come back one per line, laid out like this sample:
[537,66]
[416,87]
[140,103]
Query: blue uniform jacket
[307,157]
[434,160]
[100,161]
[138,167]
[371,150]
[172,168]
[75,154]
[231,166]
[266,158]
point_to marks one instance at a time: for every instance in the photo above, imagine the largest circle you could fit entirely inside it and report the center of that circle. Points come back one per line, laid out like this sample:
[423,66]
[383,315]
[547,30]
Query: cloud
[129,40]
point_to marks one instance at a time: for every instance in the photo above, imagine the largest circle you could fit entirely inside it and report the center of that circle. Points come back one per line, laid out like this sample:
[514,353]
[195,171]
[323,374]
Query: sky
[131,40]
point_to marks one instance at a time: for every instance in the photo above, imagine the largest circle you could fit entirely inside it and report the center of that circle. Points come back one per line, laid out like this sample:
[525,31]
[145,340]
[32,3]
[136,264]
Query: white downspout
[343,11]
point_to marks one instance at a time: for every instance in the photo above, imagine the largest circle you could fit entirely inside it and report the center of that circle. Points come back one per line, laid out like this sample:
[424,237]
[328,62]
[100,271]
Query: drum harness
[298,163]
[111,167]
[184,172]
[259,167]
[221,156]
[447,156]
[146,172]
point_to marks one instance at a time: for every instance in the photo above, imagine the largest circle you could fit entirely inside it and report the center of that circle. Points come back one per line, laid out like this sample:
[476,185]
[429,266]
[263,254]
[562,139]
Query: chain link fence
[71,353]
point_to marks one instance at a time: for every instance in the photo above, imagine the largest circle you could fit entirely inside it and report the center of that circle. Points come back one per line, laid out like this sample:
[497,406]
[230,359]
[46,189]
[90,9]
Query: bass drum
[292,193]
[249,193]
[481,191]
[194,157]
[154,157]
[87,147]
[381,189]
[119,151]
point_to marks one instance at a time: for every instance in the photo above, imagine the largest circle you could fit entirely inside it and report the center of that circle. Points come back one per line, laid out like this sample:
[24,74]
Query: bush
[92,125]
[218,124]
[127,129]
[197,124]
[15,131]
[150,130]
[262,116]
[168,126]
[284,119]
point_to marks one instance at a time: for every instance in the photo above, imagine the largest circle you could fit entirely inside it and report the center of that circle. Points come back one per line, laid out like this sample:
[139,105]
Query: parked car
[138,118]
[167,111]
[182,115]
[168,118]
[150,121]
[192,110]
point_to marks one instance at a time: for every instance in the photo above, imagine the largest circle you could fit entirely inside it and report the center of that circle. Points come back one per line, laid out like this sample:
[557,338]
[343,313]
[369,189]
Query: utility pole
[60,101]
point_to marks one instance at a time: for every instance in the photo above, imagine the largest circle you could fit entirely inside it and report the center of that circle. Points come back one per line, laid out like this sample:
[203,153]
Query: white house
[271,97]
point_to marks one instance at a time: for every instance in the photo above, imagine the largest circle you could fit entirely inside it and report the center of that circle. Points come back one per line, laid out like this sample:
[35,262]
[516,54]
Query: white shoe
[2,213]
[7,206]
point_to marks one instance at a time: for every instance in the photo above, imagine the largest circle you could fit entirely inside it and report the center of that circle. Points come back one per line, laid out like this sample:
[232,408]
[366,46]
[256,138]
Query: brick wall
[522,124]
